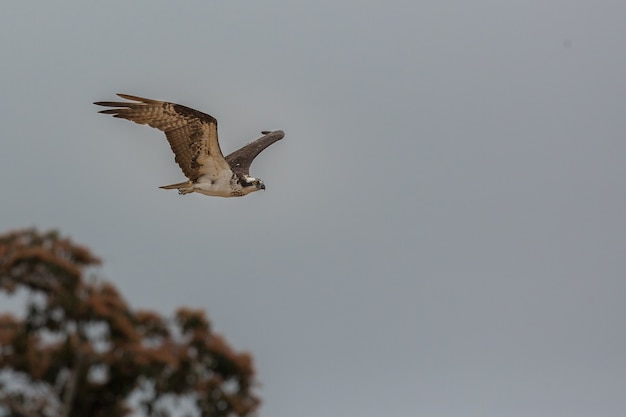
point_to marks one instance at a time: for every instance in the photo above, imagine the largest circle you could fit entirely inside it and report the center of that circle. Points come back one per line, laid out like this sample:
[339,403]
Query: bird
[192,135]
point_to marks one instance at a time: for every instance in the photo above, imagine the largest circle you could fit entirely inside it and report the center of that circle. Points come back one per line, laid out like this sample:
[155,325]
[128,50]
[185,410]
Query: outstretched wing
[241,159]
[192,134]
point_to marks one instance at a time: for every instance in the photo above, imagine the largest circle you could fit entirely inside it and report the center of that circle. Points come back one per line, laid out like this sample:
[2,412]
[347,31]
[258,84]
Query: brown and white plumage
[193,138]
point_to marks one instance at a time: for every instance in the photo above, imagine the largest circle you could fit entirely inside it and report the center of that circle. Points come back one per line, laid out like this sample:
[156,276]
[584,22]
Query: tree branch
[72,380]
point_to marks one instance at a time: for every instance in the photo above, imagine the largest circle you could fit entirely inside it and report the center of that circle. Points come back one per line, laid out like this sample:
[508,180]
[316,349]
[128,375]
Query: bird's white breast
[220,185]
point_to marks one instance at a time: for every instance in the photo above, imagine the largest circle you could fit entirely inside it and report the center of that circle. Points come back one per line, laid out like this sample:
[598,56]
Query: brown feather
[192,135]
[241,159]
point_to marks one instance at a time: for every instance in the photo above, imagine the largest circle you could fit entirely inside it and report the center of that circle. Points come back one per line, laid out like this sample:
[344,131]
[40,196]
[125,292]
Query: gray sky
[443,231]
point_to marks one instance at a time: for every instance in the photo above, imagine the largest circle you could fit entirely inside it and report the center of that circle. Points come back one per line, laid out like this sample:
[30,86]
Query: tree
[79,350]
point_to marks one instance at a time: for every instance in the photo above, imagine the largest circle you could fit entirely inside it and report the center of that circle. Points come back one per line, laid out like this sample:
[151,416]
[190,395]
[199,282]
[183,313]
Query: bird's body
[193,138]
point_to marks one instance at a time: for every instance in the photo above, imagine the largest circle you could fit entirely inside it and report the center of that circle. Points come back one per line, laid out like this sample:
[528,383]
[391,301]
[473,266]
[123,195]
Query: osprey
[193,138]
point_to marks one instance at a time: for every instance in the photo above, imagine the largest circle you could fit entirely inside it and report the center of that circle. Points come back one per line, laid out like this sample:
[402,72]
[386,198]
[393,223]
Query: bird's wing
[192,134]
[241,159]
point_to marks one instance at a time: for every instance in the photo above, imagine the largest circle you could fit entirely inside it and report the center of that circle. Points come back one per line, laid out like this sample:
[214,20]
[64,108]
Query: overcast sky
[443,232]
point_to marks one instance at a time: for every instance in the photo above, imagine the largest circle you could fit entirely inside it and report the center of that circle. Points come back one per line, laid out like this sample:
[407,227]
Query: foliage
[80,350]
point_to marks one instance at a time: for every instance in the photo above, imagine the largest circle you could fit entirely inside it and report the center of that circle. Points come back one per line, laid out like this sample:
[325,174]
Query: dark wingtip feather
[137,98]
[278,133]
[125,104]
[112,104]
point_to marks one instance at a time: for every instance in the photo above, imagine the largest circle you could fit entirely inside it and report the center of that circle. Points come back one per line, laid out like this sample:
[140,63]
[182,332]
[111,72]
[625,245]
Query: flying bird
[193,138]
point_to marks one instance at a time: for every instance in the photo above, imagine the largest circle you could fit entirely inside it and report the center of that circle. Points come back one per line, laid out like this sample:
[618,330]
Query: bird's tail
[176,186]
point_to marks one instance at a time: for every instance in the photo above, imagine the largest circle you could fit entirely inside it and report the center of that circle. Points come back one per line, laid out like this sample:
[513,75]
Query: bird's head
[251,184]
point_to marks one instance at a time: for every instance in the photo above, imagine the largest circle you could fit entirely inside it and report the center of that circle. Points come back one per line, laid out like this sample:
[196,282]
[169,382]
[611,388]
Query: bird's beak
[261,186]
